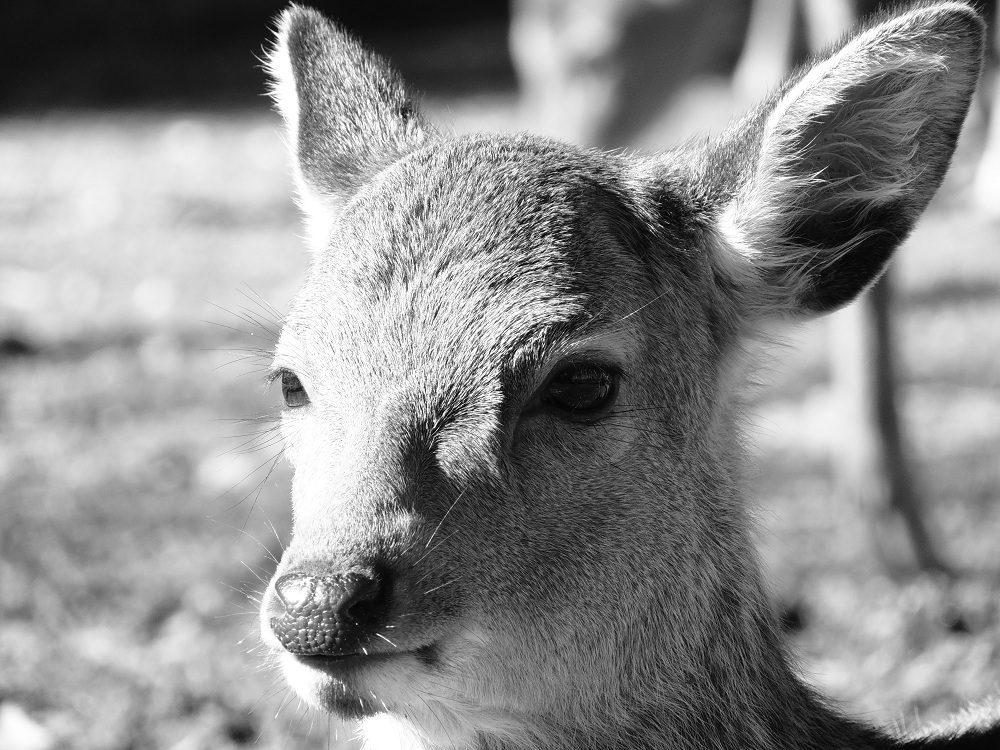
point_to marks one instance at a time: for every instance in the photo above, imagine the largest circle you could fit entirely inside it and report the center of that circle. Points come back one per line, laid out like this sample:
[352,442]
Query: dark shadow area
[114,53]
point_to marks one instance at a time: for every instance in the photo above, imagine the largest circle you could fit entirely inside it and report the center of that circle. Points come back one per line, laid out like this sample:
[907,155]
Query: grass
[138,522]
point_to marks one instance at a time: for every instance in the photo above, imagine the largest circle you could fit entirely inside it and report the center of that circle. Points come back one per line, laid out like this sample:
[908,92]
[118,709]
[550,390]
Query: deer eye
[582,391]
[293,391]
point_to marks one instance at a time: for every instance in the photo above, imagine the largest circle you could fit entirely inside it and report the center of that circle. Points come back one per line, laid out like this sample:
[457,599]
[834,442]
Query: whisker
[441,586]
[450,508]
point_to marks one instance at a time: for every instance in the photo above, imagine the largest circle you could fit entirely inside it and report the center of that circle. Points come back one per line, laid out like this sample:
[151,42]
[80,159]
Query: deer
[511,400]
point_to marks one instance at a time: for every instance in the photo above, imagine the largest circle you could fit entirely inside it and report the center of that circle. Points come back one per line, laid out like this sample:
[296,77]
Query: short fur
[551,582]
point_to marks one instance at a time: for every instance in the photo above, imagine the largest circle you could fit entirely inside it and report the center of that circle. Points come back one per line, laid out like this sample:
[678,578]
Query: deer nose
[327,615]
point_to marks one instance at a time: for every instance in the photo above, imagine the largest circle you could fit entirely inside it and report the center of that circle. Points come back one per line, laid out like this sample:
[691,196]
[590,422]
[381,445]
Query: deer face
[469,417]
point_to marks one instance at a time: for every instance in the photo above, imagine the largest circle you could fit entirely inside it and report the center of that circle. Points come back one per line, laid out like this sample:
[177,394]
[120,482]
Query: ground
[141,256]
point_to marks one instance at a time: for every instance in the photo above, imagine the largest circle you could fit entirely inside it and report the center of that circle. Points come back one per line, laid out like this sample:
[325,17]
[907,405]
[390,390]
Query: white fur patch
[282,86]
[318,214]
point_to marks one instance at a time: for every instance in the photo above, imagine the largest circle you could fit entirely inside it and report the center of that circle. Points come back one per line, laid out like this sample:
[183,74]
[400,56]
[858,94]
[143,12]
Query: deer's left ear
[831,174]
[347,112]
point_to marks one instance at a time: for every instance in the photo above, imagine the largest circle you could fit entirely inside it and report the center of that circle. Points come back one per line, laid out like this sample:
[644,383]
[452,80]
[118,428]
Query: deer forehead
[498,209]
[462,262]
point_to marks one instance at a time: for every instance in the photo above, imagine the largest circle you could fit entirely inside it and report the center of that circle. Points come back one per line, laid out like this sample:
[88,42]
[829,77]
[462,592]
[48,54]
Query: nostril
[365,596]
[327,615]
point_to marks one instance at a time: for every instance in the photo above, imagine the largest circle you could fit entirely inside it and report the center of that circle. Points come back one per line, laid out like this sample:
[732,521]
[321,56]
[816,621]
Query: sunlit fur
[558,583]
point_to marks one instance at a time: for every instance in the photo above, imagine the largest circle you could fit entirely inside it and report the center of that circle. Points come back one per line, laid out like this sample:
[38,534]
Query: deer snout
[328,615]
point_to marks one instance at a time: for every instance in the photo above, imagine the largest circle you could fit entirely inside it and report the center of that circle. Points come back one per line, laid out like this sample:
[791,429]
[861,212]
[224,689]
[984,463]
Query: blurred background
[149,246]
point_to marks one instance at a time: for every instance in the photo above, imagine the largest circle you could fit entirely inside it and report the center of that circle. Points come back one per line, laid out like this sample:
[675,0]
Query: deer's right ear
[823,182]
[347,112]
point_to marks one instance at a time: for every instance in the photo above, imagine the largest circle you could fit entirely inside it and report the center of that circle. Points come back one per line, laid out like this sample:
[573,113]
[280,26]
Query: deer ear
[848,153]
[347,113]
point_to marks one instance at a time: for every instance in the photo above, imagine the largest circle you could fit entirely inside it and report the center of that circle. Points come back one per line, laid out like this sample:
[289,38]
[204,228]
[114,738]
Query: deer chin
[360,686]
[404,699]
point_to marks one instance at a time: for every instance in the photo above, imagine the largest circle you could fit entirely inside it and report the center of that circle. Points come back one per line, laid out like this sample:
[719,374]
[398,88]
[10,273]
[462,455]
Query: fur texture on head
[506,411]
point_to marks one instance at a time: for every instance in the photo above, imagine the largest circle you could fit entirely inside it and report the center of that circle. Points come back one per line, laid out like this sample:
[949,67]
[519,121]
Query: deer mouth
[342,664]
[357,685]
